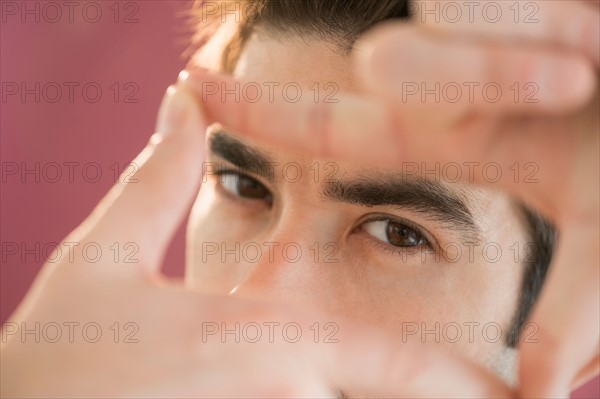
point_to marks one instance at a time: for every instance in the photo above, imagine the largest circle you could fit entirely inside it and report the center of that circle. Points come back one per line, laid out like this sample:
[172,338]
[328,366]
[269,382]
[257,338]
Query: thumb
[143,210]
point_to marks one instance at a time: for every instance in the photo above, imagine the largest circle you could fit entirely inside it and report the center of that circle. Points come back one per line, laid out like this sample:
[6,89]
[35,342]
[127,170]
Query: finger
[452,79]
[568,312]
[341,128]
[592,3]
[588,372]
[146,208]
[376,364]
[338,122]
[570,24]
[568,316]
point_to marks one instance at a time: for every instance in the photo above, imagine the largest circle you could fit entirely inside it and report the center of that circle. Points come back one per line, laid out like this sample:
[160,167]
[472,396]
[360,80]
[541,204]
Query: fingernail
[557,389]
[192,70]
[559,394]
[183,76]
[394,56]
[172,112]
[568,83]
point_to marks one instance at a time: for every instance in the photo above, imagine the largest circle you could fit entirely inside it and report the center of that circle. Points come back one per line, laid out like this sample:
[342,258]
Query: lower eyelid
[418,229]
[390,249]
[234,197]
[431,244]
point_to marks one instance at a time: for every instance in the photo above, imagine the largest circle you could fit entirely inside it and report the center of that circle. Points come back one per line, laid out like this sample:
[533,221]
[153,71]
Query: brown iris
[246,187]
[250,188]
[401,235]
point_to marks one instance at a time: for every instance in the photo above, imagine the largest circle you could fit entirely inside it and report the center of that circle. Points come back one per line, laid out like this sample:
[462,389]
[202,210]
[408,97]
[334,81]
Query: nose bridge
[290,265]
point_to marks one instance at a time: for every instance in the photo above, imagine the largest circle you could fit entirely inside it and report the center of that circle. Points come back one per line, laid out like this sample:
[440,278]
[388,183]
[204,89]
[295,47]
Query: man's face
[417,256]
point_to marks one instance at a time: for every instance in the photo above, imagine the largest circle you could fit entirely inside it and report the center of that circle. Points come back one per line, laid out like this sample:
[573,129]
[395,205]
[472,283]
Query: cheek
[211,228]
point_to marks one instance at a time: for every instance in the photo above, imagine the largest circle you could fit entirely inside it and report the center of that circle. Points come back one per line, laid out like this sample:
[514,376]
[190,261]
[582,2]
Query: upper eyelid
[227,171]
[223,169]
[430,238]
[223,163]
[226,167]
[445,232]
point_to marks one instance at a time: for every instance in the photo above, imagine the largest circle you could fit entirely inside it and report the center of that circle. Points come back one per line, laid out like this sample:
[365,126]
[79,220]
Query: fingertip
[178,109]
[381,52]
[567,83]
[168,113]
[542,374]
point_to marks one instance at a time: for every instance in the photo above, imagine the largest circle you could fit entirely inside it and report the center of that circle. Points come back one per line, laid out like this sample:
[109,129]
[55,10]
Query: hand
[171,352]
[556,136]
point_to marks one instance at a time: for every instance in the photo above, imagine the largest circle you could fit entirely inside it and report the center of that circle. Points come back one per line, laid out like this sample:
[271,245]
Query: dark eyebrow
[242,155]
[430,198]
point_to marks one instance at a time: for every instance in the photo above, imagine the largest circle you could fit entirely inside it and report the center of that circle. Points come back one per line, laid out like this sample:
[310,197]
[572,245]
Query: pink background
[146,53]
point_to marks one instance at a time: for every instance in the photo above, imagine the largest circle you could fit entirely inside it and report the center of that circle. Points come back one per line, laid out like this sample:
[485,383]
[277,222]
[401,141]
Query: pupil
[402,236]
[250,188]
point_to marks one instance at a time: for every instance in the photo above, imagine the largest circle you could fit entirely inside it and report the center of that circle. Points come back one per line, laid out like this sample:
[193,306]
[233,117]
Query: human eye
[243,186]
[397,233]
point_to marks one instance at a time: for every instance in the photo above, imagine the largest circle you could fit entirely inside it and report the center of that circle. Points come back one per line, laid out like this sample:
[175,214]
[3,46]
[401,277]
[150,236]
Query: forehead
[295,59]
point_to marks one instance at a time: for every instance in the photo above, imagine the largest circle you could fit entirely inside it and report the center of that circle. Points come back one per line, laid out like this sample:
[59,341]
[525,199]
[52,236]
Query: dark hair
[342,22]
[543,236]
[338,21]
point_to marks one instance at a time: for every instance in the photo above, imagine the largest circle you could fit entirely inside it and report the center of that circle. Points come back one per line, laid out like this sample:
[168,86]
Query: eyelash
[234,172]
[430,242]
[238,175]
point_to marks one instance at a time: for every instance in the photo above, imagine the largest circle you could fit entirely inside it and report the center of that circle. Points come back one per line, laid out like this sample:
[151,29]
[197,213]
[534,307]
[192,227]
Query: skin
[171,317]
[559,133]
[374,281]
[168,180]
